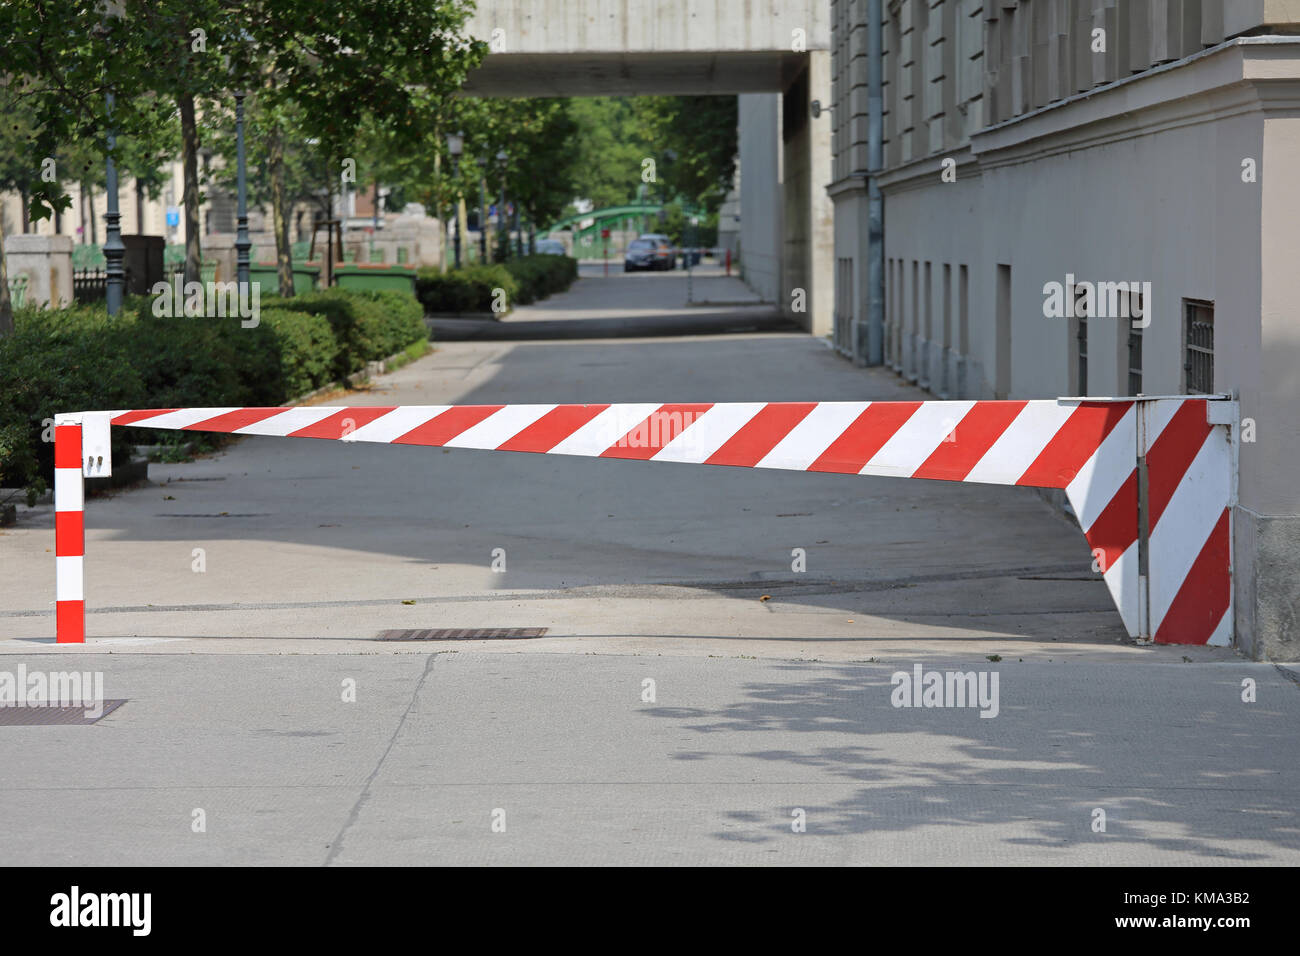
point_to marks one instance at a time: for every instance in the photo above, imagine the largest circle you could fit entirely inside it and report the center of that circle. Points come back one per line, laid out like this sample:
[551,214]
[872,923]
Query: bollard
[69,536]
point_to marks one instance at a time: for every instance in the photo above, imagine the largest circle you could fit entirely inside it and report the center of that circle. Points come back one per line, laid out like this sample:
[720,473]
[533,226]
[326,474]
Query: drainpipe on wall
[872,351]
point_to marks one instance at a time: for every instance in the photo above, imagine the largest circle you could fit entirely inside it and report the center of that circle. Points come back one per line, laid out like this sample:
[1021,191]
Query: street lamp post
[114,249]
[455,146]
[482,209]
[503,243]
[242,242]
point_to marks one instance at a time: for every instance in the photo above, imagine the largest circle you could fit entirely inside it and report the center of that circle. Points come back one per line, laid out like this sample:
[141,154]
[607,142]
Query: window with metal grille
[1134,361]
[1081,340]
[1198,348]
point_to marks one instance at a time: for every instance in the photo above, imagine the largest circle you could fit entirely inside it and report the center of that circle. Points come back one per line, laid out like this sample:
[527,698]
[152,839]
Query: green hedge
[473,288]
[367,324]
[540,276]
[469,289]
[77,358]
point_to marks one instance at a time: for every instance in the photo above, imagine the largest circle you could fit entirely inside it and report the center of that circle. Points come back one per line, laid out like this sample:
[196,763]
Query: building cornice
[1225,80]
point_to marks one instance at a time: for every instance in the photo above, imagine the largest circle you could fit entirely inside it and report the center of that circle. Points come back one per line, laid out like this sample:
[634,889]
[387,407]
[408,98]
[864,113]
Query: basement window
[1198,347]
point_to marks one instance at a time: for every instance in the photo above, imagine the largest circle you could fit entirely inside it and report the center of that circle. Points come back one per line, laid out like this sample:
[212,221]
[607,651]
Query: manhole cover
[461,634]
[11,716]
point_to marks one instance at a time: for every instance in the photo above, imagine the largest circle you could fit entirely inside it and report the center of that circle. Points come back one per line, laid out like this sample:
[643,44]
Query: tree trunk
[26,213]
[190,160]
[139,207]
[94,225]
[6,307]
[279,209]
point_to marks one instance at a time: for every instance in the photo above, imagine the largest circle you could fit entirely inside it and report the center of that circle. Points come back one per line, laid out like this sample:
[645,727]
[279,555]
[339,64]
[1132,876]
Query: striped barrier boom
[1150,480]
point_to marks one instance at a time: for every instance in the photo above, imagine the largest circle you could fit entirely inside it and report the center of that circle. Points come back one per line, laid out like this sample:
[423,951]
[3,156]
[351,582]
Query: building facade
[1141,148]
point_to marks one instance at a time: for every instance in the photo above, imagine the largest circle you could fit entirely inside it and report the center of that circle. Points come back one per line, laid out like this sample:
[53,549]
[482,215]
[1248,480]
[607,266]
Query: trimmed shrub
[470,289]
[54,362]
[306,350]
[387,321]
[540,276]
[367,324]
[76,359]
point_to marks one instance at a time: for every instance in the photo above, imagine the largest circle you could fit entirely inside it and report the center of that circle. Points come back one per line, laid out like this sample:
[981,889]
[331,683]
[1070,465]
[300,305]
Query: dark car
[653,254]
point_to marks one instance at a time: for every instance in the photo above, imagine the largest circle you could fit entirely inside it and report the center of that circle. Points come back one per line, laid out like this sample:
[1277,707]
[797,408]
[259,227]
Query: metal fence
[89,285]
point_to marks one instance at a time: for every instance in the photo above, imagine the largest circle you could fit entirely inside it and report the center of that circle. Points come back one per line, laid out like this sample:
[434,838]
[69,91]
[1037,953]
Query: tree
[57,77]
[610,150]
[171,49]
[146,155]
[699,133]
[324,67]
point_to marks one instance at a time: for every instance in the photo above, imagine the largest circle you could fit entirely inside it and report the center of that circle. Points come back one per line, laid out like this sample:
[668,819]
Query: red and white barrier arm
[1150,480]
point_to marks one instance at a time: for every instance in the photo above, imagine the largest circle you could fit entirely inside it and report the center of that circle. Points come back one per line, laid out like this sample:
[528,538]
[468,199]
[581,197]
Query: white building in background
[1142,141]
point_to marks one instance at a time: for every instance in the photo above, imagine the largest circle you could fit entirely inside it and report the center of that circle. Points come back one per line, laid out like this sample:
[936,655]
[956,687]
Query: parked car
[551,247]
[666,241]
[649,252]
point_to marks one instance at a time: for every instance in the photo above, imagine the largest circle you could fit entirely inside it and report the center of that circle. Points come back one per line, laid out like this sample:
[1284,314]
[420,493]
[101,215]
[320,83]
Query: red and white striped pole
[69,535]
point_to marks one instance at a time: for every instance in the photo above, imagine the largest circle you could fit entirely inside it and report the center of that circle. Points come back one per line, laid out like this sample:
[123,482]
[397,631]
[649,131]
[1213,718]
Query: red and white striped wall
[1150,480]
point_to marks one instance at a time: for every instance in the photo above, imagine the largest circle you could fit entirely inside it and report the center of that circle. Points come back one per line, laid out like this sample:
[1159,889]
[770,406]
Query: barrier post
[69,534]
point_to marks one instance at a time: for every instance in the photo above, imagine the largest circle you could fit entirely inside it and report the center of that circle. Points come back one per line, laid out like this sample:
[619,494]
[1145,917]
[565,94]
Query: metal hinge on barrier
[96,445]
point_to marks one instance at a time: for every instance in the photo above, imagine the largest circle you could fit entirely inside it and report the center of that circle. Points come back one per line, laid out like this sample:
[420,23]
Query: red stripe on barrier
[1074,443]
[67,447]
[69,534]
[761,434]
[130,418]
[868,433]
[658,428]
[1172,453]
[1205,594]
[972,437]
[445,426]
[231,421]
[552,428]
[343,422]
[70,622]
[1116,527]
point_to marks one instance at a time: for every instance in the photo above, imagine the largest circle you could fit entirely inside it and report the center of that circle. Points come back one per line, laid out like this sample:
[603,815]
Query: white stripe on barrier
[709,432]
[1122,583]
[1193,511]
[604,430]
[916,439]
[1020,445]
[69,494]
[1105,471]
[288,421]
[184,417]
[499,427]
[813,435]
[68,578]
[393,425]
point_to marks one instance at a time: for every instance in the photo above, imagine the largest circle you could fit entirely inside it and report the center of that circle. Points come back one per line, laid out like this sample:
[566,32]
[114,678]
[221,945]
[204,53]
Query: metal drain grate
[462,634]
[31,716]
